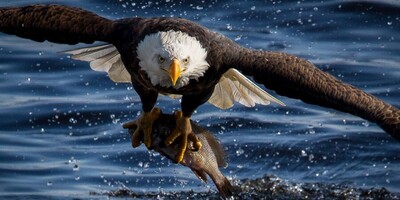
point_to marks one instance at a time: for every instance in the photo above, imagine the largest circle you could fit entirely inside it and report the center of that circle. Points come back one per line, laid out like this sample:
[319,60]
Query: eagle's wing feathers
[118,73]
[297,78]
[235,87]
[222,96]
[232,87]
[91,53]
[103,58]
[55,23]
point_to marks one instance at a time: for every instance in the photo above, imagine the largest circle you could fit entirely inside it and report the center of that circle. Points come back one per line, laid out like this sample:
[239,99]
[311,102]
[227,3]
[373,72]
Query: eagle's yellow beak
[174,71]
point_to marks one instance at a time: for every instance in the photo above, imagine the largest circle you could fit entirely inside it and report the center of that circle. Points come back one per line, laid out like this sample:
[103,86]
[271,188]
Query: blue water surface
[60,127]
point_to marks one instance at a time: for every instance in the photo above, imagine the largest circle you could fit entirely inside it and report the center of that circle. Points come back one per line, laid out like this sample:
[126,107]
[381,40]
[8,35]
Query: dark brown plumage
[297,78]
[55,23]
[286,74]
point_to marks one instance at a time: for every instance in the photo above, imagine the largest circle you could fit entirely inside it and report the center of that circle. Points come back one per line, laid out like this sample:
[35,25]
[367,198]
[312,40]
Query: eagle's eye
[185,60]
[161,59]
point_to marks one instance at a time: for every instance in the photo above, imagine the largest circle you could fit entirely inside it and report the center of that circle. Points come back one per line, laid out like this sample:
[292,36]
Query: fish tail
[225,188]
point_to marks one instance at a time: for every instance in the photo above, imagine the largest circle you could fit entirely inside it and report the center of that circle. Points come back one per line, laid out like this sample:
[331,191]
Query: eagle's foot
[183,129]
[143,126]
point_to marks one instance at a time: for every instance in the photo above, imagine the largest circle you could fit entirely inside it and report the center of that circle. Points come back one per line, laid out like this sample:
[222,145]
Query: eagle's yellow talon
[172,137]
[143,127]
[136,138]
[178,114]
[183,129]
[181,149]
[147,136]
[195,141]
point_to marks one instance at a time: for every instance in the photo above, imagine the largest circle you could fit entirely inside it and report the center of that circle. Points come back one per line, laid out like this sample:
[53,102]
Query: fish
[202,161]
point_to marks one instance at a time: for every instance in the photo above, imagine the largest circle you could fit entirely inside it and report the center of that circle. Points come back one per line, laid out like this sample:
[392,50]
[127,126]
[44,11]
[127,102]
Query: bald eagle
[177,57]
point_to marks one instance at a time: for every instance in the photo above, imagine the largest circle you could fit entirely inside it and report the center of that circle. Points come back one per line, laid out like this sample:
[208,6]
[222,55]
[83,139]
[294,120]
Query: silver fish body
[204,161]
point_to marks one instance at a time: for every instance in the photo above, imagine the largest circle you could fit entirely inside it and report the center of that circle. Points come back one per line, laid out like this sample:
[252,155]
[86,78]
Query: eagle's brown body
[286,74]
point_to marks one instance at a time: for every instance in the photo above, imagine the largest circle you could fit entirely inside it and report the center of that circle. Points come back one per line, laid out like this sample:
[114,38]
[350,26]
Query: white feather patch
[172,45]
[235,87]
[103,58]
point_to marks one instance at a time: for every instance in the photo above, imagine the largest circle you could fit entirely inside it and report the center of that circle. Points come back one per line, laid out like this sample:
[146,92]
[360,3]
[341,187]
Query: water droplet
[239,152]
[75,168]
[389,23]
[49,183]
[311,157]
[299,21]
[115,121]
[71,160]
[303,153]
[239,37]
[77,178]
[229,27]
[199,8]
[146,165]
[253,8]
[72,120]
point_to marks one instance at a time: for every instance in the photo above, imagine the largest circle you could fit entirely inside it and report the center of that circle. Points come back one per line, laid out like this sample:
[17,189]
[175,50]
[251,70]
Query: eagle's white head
[172,58]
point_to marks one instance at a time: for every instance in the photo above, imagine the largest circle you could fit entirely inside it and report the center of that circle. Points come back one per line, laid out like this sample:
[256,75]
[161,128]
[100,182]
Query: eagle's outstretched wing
[232,87]
[55,23]
[297,78]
